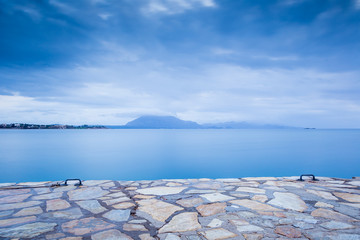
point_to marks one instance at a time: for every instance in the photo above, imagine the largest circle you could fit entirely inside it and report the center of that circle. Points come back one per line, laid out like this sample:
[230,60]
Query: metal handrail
[307,175]
[73,179]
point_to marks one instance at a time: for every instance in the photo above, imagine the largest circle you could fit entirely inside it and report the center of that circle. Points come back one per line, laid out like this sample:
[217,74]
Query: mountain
[164,122]
[169,122]
[154,122]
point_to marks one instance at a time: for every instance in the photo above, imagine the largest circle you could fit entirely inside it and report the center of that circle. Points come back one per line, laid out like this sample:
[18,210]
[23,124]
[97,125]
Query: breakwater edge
[186,209]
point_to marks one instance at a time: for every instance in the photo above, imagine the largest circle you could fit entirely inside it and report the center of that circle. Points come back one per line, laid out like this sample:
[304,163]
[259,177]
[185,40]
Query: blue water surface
[131,154]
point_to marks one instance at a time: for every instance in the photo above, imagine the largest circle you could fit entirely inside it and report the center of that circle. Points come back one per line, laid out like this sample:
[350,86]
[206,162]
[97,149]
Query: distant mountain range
[170,122]
[152,122]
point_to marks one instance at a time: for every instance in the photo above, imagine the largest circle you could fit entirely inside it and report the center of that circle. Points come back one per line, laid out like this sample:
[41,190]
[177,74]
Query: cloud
[206,60]
[91,104]
[278,58]
[222,51]
[109,94]
[64,8]
[115,94]
[113,52]
[357,4]
[31,11]
[207,3]
[291,2]
[105,16]
[171,7]
[98,1]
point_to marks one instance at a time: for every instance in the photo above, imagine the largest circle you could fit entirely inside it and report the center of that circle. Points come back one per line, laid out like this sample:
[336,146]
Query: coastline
[188,209]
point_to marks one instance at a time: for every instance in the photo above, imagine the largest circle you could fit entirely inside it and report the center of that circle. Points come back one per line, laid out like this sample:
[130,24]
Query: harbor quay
[249,208]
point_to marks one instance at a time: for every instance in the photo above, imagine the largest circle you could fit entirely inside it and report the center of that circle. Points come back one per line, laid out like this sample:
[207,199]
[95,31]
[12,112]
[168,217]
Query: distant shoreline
[116,127]
[153,122]
[27,126]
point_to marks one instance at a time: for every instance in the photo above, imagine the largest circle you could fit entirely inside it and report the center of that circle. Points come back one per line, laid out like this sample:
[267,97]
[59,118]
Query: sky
[289,62]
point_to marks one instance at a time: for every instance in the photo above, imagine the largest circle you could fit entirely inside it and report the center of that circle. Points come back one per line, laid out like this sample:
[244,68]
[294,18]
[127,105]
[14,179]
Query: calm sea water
[118,154]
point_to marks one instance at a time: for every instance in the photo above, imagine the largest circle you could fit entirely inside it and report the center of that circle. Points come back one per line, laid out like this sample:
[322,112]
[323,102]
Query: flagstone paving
[183,209]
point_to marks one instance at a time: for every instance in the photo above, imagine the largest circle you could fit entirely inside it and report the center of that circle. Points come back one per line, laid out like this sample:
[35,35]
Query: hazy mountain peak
[169,122]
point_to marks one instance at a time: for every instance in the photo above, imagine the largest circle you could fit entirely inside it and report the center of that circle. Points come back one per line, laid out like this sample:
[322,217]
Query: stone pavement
[191,209]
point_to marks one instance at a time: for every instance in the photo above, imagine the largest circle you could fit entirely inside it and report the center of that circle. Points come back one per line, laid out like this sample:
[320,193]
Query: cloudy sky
[293,62]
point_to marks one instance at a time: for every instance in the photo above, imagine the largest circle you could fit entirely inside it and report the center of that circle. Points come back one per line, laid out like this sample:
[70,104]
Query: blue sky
[293,62]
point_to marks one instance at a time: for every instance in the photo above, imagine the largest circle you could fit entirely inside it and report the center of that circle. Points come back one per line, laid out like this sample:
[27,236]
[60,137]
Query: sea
[149,154]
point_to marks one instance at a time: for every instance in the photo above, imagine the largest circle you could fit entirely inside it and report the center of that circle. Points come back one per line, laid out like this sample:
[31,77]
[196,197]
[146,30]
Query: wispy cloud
[208,3]
[107,62]
[291,2]
[31,11]
[62,6]
[223,51]
[74,109]
[105,16]
[357,4]
[217,92]
[175,6]
[278,58]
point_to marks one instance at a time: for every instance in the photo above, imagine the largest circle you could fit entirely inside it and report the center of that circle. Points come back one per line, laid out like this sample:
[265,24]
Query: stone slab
[28,211]
[188,209]
[190,202]
[330,214]
[216,197]
[86,193]
[85,226]
[250,190]
[91,205]
[211,209]
[28,230]
[112,234]
[182,222]
[158,210]
[355,198]
[14,198]
[254,205]
[288,201]
[117,215]
[13,221]
[218,234]
[56,204]
[161,191]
